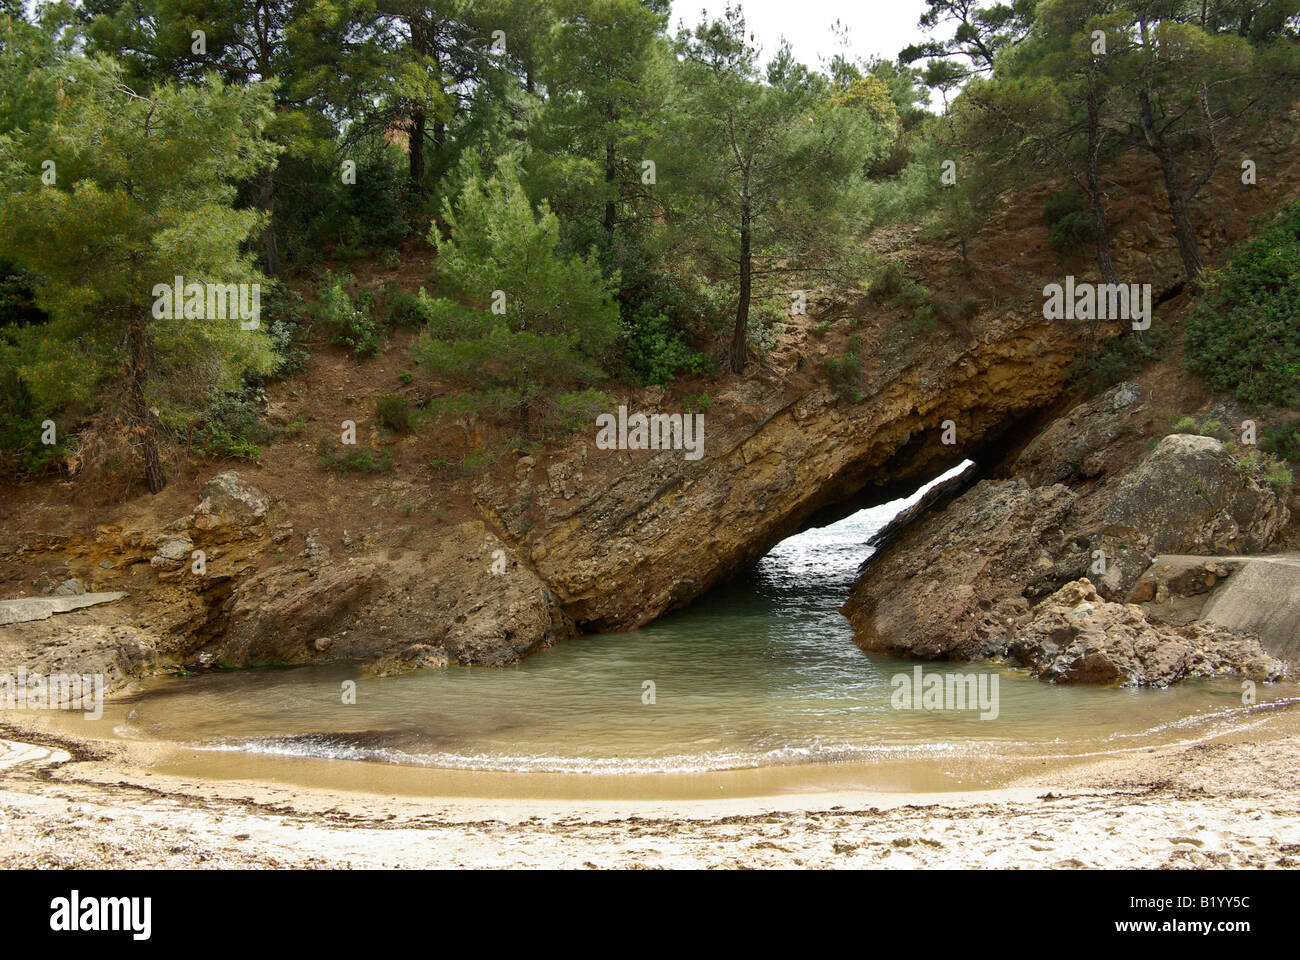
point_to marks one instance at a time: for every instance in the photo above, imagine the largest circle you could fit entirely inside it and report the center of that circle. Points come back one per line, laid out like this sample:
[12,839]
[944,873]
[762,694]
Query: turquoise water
[761,671]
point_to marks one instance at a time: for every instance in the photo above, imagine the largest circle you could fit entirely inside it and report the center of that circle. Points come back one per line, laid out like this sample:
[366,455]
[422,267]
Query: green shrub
[1204,428]
[917,298]
[352,326]
[1280,476]
[692,403]
[409,309]
[656,349]
[336,456]
[888,282]
[282,312]
[845,373]
[1114,359]
[219,444]
[1069,220]
[1244,335]
[21,449]
[1284,441]
[1265,465]
[233,428]
[393,412]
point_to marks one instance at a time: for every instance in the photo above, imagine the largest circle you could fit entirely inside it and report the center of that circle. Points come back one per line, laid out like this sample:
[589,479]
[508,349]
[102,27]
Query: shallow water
[760,672]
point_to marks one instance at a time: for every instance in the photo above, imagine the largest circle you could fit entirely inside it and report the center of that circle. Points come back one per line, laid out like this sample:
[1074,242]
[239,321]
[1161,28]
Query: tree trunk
[439,145]
[418,123]
[1184,231]
[1104,261]
[740,336]
[611,175]
[142,416]
[266,201]
[415,133]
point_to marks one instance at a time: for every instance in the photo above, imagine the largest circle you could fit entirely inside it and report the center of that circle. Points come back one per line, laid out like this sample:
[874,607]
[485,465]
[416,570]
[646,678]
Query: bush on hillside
[1244,335]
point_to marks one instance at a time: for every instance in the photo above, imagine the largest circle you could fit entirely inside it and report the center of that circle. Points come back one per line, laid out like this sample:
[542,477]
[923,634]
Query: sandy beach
[1229,800]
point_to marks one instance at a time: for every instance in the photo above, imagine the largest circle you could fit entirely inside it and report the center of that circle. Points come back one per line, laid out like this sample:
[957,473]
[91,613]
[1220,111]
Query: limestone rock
[1074,445]
[117,653]
[645,532]
[277,613]
[27,609]
[229,506]
[171,553]
[445,600]
[947,586]
[418,656]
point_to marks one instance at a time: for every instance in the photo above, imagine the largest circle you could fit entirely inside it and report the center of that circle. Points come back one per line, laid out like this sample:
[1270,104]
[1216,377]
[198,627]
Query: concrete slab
[27,609]
[1262,596]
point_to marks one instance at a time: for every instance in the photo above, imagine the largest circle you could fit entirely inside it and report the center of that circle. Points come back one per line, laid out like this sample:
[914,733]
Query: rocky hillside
[420,568]
[1054,562]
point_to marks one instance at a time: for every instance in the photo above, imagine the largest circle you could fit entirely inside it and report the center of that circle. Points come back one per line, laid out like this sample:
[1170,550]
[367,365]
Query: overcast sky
[876,27]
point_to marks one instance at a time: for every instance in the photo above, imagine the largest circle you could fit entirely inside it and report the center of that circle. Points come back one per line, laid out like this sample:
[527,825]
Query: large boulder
[949,585]
[276,615]
[229,506]
[1075,636]
[1188,496]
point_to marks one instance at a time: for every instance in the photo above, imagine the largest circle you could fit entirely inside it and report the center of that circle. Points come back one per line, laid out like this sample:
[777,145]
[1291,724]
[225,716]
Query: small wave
[346,747]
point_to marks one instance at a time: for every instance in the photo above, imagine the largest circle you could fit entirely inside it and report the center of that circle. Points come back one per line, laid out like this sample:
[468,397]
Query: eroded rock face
[623,537]
[275,616]
[117,653]
[463,602]
[401,597]
[954,582]
[1075,446]
[1074,636]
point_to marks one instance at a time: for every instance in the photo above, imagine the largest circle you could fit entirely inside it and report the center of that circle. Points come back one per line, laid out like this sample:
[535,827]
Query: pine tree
[768,169]
[530,329]
[141,192]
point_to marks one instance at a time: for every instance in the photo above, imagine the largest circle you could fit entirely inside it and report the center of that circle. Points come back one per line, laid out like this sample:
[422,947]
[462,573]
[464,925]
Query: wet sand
[1229,799]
